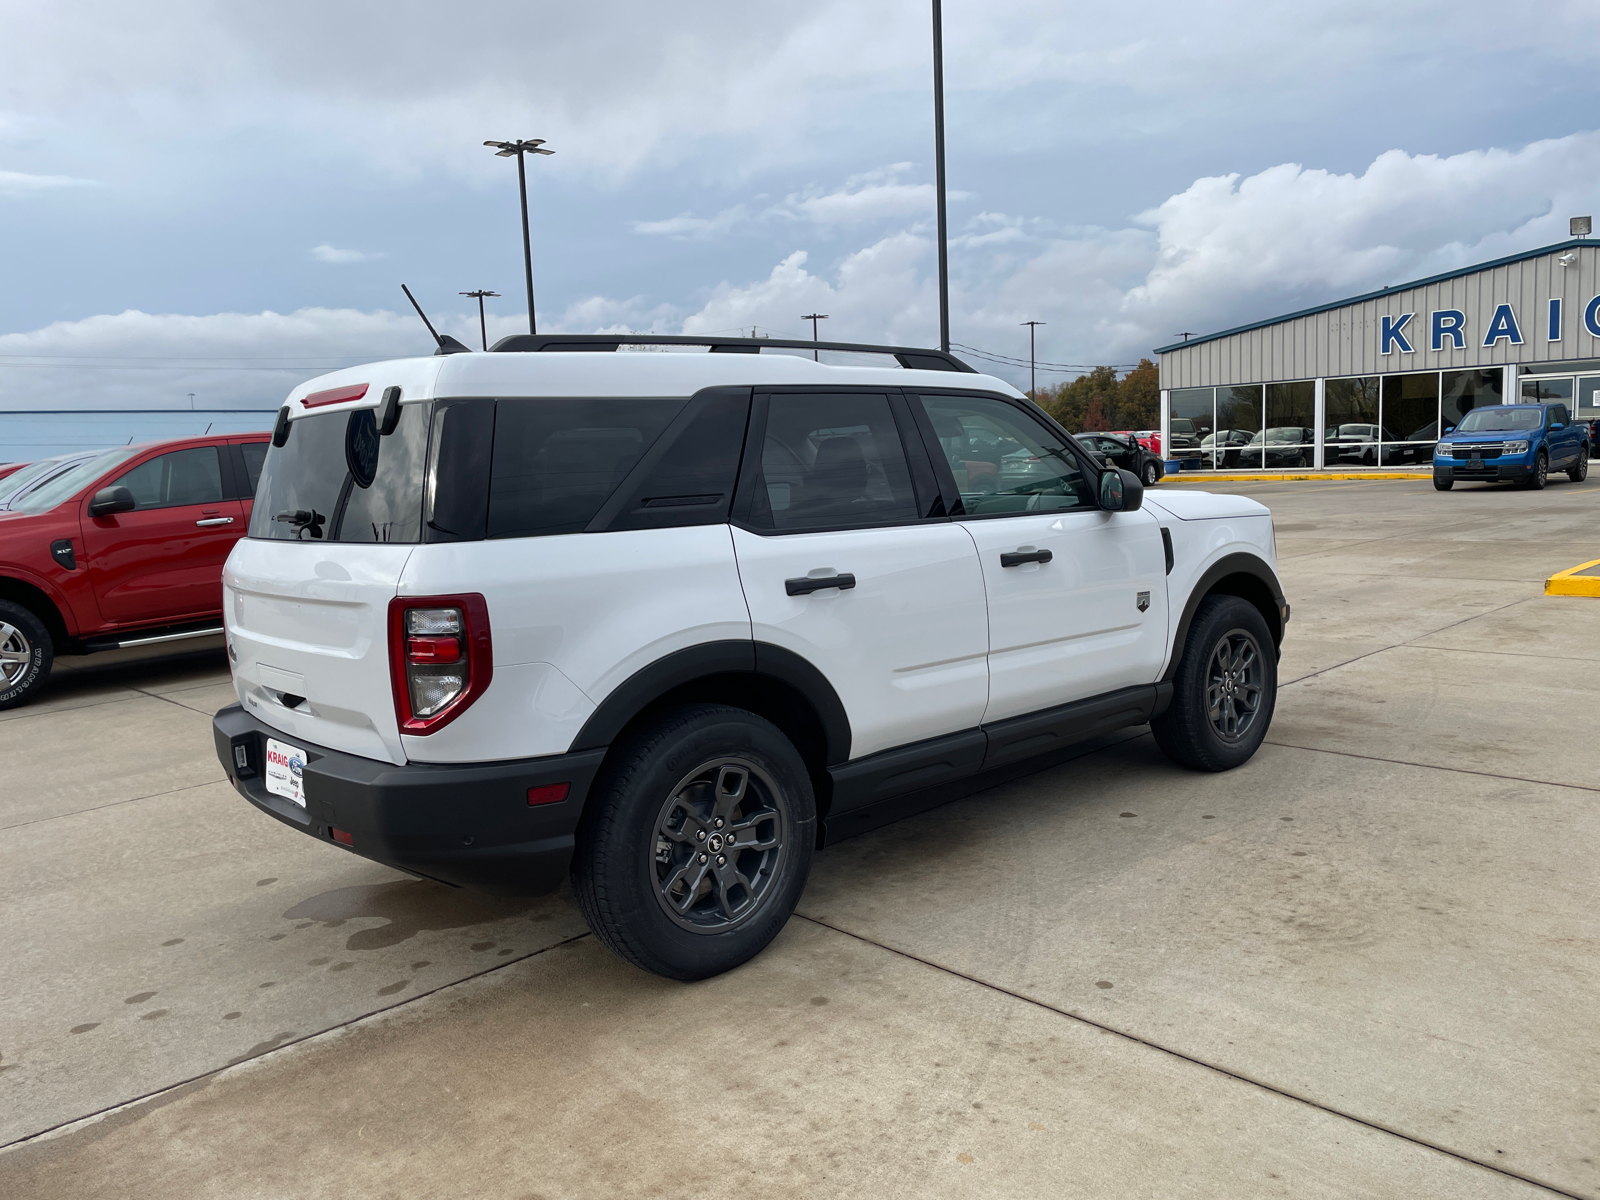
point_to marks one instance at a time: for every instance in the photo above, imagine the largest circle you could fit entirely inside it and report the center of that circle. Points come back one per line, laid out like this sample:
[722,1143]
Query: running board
[98,644]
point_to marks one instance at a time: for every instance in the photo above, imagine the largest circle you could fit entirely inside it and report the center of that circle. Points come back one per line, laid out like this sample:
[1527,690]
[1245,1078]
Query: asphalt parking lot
[1365,964]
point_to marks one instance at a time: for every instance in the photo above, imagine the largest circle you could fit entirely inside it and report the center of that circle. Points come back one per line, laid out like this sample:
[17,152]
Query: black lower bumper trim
[468,825]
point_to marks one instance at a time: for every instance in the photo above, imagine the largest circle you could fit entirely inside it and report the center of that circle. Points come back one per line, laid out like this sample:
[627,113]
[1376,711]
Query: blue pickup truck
[1520,442]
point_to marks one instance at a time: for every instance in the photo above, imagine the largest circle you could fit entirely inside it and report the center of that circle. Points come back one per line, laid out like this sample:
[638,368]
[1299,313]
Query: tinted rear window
[556,460]
[337,480]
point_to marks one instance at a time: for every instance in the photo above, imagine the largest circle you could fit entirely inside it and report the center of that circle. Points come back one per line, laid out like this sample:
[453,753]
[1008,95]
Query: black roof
[911,357]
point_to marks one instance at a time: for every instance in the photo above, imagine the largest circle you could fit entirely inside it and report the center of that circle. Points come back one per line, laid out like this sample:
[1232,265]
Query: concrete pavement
[1364,964]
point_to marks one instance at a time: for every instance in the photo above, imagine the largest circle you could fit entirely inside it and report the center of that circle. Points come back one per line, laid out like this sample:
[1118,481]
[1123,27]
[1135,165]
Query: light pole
[814,318]
[517,150]
[1033,387]
[938,176]
[483,327]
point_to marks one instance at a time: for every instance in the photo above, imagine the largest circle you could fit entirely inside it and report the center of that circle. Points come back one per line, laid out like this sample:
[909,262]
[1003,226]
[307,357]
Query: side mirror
[1557,425]
[1120,491]
[112,500]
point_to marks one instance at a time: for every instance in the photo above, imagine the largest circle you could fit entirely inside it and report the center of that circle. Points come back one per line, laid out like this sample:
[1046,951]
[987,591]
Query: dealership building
[1373,380]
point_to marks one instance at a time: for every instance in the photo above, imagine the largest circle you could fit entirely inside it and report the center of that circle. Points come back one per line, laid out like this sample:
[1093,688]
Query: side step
[148,638]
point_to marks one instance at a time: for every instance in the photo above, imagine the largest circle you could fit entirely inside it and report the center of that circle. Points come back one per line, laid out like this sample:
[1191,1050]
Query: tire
[1443,485]
[1541,473]
[666,792]
[1152,475]
[1228,638]
[26,653]
[1579,470]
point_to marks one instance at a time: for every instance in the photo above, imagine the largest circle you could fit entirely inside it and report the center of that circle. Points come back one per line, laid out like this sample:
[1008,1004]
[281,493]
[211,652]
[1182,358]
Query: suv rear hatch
[338,513]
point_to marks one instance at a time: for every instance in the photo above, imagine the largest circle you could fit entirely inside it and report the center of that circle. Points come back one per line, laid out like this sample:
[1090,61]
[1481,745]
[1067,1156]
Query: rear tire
[1579,470]
[1443,485]
[1225,689]
[1152,474]
[696,842]
[26,653]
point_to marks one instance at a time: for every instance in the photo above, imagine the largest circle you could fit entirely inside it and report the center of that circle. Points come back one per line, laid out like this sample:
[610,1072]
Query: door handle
[816,583]
[1015,558]
[214,521]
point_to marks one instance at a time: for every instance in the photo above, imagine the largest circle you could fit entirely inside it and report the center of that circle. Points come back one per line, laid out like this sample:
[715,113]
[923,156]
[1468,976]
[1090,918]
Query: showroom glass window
[1409,419]
[1463,391]
[1289,435]
[1238,423]
[1192,417]
[1350,421]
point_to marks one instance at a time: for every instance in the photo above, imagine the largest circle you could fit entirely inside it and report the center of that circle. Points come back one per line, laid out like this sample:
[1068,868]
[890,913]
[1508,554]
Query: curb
[1573,581]
[1197,476]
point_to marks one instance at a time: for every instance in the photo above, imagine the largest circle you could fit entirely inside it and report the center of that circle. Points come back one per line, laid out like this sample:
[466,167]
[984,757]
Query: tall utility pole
[518,150]
[938,176]
[483,325]
[1033,387]
[814,318]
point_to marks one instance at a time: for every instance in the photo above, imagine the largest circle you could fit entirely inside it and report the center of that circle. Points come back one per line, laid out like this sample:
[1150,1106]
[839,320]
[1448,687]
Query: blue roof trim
[1389,291]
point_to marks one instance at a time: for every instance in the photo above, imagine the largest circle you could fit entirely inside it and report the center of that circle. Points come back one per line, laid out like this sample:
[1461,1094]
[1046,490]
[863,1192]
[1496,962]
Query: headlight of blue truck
[1514,448]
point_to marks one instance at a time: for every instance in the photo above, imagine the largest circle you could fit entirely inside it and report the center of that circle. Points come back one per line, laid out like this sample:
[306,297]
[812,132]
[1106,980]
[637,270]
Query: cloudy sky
[221,198]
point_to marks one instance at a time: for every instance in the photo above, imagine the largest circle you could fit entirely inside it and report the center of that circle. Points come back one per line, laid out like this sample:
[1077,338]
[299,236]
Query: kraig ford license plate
[285,771]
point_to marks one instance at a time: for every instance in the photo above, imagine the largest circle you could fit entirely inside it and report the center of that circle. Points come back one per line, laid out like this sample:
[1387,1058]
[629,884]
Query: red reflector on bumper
[550,793]
[343,838]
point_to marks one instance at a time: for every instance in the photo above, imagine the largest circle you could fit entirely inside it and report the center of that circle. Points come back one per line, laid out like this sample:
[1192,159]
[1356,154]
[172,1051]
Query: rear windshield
[1484,419]
[337,480]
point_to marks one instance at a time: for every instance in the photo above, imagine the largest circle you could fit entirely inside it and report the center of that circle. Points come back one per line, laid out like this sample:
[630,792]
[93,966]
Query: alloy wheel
[16,655]
[720,840]
[1234,685]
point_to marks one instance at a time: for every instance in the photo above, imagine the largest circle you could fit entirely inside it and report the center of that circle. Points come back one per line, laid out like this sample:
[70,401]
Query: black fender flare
[682,667]
[1266,587]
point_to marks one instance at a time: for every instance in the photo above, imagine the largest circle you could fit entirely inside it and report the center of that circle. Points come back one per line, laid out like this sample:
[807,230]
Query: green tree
[1099,400]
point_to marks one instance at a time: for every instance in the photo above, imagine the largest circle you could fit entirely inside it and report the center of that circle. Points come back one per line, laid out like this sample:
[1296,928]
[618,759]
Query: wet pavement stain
[409,907]
[267,880]
[480,947]
[5,1066]
[261,1048]
[417,966]
[154,1014]
[138,998]
[320,962]
[397,986]
[1104,983]
[85,1028]
[344,966]
[233,1016]
[173,942]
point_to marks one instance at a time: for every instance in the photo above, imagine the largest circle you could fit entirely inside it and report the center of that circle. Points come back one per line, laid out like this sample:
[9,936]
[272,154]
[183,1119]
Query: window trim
[224,477]
[921,473]
[947,480]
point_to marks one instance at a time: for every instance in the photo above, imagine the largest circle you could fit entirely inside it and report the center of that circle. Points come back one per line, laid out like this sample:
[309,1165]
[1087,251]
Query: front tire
[1225,688]
[26,653]
[1579,470]
[1541,472]
[1443,485]
[696,843]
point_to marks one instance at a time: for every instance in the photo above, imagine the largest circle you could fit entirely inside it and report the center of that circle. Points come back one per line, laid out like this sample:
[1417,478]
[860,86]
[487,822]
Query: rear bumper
[466,825]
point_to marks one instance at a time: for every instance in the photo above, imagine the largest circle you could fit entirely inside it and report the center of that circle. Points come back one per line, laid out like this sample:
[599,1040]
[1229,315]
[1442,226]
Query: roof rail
[912,358]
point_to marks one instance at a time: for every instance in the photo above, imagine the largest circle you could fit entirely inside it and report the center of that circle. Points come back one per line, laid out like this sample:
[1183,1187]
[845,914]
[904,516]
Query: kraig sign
[1451,324]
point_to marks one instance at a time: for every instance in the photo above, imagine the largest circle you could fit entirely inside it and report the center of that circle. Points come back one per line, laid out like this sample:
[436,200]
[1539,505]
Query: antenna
[446,343]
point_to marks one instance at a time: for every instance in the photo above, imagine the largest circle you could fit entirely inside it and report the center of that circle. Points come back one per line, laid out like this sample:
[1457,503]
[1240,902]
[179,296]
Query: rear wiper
[303,518]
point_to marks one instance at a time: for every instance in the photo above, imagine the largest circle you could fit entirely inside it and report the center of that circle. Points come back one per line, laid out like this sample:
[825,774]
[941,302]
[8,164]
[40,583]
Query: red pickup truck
[124,549]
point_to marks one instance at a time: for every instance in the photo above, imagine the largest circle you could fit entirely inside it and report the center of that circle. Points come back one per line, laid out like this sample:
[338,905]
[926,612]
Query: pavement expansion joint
[1368,1123]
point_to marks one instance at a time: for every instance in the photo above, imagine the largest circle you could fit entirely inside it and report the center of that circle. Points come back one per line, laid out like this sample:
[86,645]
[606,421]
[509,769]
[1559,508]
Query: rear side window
[557,460]
[337,480]
[255,455]
[829,461]
[170,480]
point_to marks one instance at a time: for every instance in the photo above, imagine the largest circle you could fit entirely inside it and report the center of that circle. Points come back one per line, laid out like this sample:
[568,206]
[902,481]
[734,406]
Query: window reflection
[1192,419]
[1464,391]
[1350,436]
[1409,419]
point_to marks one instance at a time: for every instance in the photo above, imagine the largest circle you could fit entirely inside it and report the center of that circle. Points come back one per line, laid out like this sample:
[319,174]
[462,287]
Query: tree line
[1101,401]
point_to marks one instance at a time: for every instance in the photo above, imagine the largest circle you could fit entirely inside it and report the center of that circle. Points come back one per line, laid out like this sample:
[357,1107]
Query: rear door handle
[1015,558]
[214,521]
[816,583]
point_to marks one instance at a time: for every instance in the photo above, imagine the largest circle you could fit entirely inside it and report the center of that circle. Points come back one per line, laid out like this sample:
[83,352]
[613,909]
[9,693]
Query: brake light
[334,396]
[440,658]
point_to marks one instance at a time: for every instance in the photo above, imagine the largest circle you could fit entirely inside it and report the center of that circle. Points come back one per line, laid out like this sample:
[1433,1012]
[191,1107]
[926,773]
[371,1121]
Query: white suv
[672,621]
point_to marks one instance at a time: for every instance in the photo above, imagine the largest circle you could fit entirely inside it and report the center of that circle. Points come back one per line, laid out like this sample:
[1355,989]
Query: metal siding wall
[1345,341]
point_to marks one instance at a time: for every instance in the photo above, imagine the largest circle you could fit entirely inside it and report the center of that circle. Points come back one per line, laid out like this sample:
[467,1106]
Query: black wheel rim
[1540,469]
[1235,685]
[719,843]
[16,655]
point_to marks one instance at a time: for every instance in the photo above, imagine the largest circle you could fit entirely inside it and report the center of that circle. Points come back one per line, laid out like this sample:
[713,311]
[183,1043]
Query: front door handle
[816,583]
[214,521]
[1015,558]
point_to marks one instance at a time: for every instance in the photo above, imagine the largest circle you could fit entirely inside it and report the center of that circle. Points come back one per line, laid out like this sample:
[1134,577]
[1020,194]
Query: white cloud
[17,183]
[332,254]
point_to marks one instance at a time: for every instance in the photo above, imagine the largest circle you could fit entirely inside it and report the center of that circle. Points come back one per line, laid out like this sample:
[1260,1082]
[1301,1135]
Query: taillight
[440,658]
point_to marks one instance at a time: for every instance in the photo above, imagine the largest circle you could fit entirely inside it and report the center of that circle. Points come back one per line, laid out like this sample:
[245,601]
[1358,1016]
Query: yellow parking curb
[1572,582]
[1197,476]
